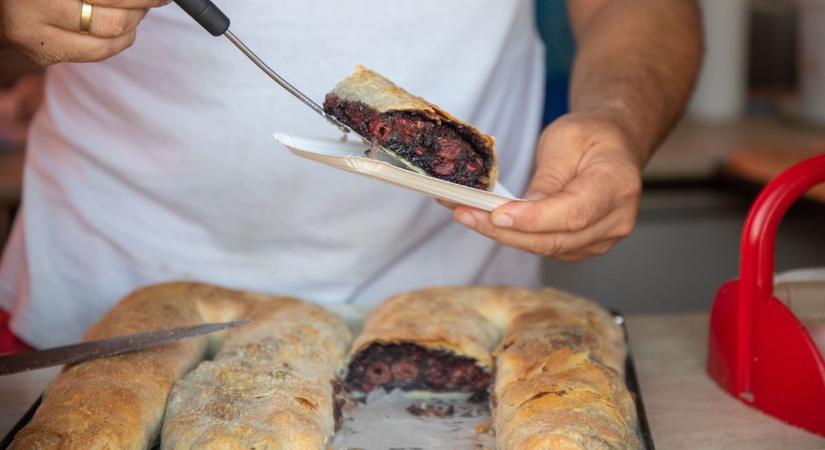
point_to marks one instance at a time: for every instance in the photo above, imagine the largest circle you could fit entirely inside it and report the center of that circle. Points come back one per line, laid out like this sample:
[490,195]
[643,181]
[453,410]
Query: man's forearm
[634,68]
[636,62]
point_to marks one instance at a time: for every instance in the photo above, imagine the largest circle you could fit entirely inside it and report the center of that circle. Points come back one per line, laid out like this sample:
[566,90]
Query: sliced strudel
[559,362]
[270,386]
[424,136]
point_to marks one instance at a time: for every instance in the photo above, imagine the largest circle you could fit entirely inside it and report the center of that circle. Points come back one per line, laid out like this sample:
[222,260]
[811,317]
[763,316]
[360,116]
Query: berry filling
[443,150]
[410,367]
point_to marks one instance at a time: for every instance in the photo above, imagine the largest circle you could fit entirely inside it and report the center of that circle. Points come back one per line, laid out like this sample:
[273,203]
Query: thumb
[556,165]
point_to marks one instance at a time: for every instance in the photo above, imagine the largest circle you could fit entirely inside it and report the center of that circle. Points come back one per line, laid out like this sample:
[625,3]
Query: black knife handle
[207,14]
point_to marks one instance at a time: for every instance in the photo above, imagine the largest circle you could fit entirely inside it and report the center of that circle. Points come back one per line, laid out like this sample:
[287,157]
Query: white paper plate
[349,156]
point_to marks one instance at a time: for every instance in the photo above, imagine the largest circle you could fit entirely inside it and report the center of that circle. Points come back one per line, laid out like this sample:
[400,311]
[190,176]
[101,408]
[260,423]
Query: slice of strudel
[425,137]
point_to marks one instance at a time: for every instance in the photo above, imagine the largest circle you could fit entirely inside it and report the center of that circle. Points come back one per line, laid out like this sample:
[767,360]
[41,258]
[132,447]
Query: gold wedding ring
[85,17]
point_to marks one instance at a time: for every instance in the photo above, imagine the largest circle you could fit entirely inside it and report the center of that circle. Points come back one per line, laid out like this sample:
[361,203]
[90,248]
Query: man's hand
[636,61]
[583,197]
[49,30]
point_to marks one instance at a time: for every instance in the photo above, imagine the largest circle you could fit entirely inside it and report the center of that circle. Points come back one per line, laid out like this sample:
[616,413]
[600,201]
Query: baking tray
[349,156]
[631,380]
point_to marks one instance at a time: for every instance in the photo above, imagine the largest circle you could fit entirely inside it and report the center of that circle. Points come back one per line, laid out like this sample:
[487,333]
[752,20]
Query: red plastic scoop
[758,350]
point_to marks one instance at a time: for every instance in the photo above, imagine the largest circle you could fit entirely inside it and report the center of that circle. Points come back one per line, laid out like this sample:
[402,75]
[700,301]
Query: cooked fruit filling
[410,367]
[445,151]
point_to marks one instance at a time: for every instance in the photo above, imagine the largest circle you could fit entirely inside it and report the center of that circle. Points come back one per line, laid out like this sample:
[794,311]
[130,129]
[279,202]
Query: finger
[51,46]
[556,161]
[545,244]
[106,22]
[446,204]
[128,4]
[586,200]
[597,249]
[616,226]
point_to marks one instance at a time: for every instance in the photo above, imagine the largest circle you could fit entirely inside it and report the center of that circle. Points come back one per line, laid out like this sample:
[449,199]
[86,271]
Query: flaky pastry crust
[558,360]
[368,87]
[119,402]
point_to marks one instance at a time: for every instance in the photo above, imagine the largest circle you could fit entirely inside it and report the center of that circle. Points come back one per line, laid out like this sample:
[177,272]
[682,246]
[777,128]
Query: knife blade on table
[85,351]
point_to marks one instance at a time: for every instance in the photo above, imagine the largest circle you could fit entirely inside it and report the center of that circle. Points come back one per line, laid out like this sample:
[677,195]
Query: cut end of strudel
[425,137]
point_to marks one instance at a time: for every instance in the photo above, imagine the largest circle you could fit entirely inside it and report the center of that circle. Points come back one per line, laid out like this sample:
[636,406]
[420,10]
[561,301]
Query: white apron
[158,164]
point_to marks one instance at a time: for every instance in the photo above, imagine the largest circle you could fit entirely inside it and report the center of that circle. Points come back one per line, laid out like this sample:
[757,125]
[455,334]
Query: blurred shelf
[696,151]
[759,165]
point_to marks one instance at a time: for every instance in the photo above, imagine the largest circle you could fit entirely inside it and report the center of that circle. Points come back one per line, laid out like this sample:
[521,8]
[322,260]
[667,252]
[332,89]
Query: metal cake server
[85,351]
[213,20]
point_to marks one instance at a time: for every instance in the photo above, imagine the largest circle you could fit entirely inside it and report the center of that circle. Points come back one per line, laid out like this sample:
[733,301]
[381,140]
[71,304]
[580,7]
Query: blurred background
[758,108]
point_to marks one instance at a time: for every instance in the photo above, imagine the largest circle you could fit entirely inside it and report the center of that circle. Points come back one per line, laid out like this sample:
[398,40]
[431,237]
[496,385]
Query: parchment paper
[384,423]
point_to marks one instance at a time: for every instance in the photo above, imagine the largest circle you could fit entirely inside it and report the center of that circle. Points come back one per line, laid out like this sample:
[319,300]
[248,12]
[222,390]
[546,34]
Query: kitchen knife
[217,23]
[85,351]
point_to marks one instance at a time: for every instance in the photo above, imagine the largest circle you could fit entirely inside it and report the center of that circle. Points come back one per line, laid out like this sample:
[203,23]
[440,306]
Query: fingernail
[467,220]
[502,220]
[535,196]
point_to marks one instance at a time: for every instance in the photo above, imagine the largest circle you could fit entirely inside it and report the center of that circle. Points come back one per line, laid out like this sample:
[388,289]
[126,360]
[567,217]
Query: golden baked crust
[368,87]
[560,379]
[559,363]
[119,402]
[269,387]
[436,319]
[558,360]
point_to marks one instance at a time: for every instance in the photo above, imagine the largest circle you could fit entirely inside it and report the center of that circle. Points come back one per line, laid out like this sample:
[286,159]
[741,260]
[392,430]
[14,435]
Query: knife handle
[207,14]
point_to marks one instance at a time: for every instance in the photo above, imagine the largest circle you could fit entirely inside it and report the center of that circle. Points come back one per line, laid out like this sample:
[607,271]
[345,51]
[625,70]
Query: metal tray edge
[632,382]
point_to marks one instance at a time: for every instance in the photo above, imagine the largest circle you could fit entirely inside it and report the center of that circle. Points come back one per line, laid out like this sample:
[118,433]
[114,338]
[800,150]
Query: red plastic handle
[756,266]
[759,234]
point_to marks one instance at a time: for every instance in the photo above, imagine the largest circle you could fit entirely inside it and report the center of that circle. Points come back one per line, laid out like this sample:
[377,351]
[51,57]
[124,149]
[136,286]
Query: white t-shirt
[158,164]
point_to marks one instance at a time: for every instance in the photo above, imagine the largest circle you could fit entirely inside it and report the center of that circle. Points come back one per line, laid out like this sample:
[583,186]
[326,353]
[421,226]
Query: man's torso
[157,164]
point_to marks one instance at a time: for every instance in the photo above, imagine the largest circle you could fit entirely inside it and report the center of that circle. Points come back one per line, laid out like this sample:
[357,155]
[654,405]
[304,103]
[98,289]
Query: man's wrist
[625,121]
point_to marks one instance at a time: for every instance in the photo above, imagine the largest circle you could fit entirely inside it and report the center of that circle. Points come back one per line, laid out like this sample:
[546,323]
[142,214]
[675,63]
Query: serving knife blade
[213,20]
[85,351]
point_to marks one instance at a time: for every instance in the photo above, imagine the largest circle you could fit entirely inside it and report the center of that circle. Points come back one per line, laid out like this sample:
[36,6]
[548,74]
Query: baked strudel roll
[433,340]
[425,137]
[559,362]
[270,385]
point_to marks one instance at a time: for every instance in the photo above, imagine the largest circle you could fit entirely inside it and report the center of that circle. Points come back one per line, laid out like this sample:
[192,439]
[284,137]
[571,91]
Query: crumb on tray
[431,410]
